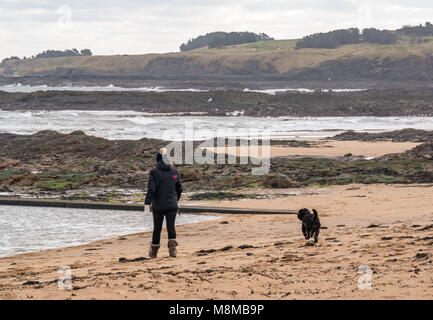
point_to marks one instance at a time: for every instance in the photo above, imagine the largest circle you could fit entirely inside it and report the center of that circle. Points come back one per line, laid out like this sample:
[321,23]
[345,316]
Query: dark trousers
[158,218]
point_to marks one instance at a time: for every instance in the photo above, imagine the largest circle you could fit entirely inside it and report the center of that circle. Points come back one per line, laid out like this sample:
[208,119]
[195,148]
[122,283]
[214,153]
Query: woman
[163,193]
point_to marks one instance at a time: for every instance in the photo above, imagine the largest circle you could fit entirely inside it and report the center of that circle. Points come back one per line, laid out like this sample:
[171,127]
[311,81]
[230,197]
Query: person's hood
[162,165]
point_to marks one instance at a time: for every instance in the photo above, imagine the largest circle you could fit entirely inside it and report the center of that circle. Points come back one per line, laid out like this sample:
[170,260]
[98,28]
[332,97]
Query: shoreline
[188,209]
[254,256]
[90,242]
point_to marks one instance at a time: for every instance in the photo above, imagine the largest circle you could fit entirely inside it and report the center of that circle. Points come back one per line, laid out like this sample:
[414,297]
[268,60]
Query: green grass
[268,45]
[112,193]
[253,185]
[66,181]
[8,173]
[216,196]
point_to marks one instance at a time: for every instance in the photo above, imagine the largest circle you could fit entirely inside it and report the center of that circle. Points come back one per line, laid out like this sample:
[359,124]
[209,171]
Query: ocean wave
[18,87]
[137,125]
[305,90]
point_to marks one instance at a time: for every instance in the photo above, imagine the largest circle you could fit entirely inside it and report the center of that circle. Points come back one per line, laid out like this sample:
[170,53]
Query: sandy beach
[322,148]
[228,121]
[388,228]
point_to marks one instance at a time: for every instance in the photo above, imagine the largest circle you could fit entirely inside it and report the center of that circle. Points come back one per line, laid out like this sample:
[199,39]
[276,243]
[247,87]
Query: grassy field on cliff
[280,55]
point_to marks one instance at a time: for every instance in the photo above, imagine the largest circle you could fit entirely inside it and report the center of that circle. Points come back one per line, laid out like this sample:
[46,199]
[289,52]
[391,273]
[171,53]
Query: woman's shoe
[172,243]
[153,250]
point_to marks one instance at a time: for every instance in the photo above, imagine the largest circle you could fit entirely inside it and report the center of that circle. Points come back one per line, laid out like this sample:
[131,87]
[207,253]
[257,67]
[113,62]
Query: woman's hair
[162,155]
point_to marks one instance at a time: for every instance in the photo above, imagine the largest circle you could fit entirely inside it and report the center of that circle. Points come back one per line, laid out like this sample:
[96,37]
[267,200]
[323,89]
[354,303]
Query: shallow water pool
[28,229]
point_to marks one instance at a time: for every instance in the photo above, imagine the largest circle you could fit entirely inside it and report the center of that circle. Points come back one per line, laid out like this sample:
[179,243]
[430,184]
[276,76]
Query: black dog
[310,224]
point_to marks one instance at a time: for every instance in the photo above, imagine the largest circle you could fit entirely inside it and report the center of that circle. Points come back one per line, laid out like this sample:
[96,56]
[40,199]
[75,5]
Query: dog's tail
[315,215]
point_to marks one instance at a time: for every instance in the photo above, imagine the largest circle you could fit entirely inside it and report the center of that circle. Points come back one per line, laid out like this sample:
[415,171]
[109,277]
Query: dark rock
[246,246]
[427,227]
[421,256]
[4,189]
[226,248]
[123,260]
[373,226]
[389,102]
[205,252]
[277,181]
[190,174]
[386,238]
[424,150]
[414,135]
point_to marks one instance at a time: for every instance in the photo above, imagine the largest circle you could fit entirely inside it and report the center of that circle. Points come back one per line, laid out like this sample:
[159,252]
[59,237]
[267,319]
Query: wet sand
[324,148]
[386,227]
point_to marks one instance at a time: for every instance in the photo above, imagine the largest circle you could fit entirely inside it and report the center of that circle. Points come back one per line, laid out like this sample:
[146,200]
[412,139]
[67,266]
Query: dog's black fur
[310,224]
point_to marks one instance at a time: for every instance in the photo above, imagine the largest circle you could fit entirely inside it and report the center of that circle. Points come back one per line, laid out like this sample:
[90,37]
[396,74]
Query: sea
[29,229]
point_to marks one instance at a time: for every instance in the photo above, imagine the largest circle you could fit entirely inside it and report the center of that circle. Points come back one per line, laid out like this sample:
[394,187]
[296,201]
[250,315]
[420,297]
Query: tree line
[219,39]
[336,38]
[417,31]
[64,53]
[55,54]
[340,37]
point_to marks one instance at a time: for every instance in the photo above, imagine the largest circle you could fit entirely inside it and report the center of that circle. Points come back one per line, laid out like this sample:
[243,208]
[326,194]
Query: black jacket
[163,188]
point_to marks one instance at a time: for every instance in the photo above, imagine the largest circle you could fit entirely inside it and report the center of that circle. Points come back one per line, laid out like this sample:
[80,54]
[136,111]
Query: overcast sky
[141,26]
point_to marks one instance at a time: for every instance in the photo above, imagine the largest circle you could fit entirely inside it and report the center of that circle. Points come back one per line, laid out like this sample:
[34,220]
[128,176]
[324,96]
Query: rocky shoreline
[50,163]
[412,135]
[387,102]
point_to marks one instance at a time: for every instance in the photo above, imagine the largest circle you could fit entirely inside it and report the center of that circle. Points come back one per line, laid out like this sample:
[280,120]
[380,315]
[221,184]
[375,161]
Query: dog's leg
[316,236]
[305,232]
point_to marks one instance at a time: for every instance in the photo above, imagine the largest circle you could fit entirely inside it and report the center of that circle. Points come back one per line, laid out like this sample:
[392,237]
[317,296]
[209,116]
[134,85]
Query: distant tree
[63,53]
[10,58]
[379,36]
[340,37]
[86,52]
[417,31]
[55,54]
[218,39]
[330,39]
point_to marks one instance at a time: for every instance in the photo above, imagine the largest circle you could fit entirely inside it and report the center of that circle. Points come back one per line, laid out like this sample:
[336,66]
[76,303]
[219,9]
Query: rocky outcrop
[189,67]
[413,135]
[420,152]
[57,162]
[423,151]
[277,180]
[408,68]
[390,102]
[190,174]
